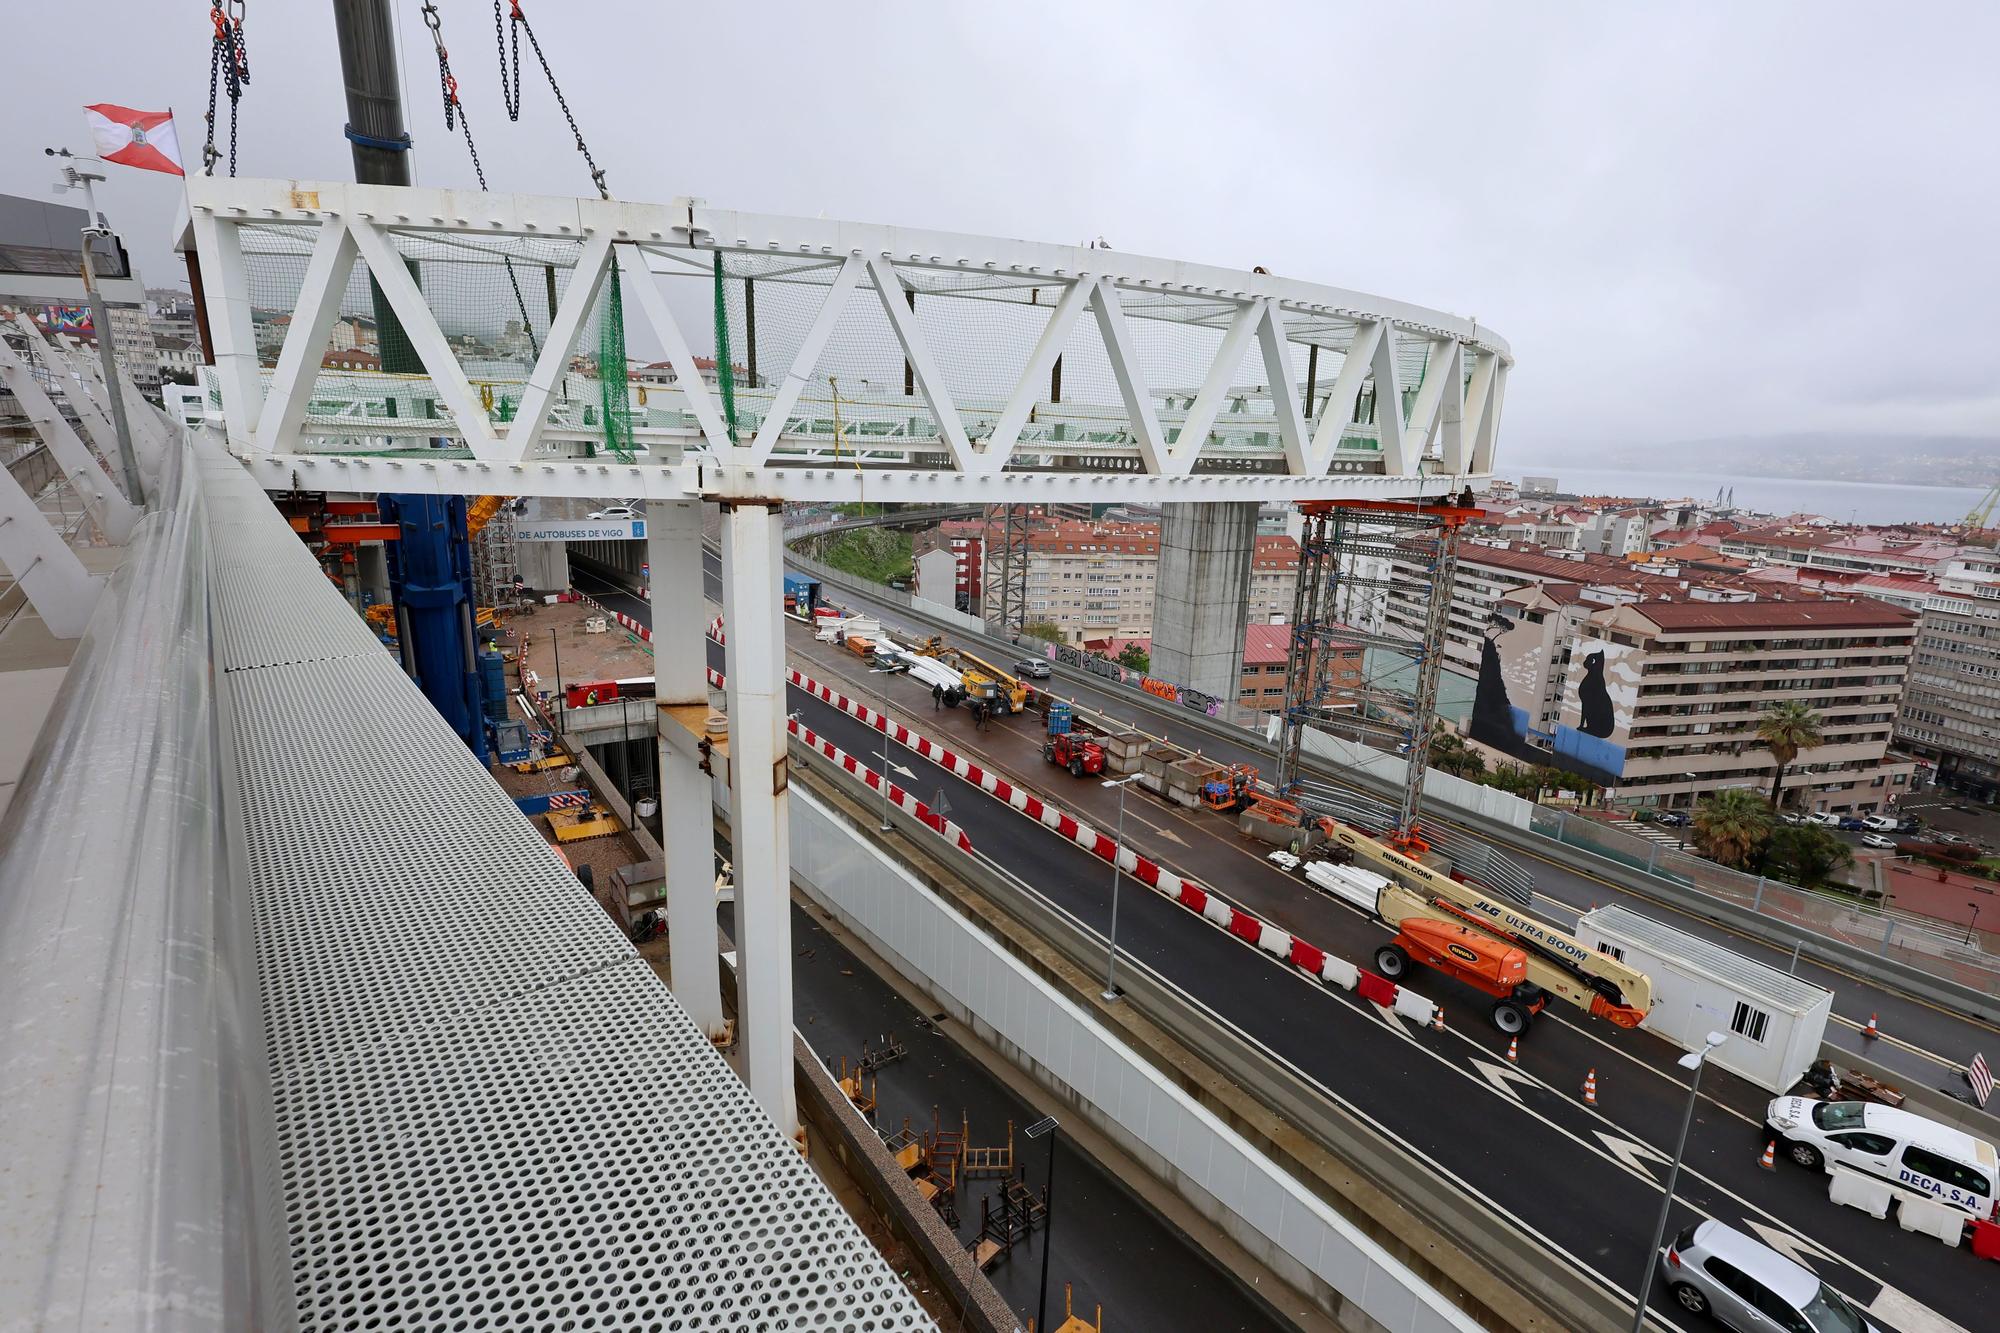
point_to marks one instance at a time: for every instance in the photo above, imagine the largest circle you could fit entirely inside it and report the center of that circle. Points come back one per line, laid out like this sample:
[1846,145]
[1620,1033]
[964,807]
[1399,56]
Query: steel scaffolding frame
[1003,586]
[1347,559]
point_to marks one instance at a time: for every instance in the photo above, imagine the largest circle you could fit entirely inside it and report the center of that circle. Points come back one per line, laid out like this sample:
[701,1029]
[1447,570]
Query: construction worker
[937,698]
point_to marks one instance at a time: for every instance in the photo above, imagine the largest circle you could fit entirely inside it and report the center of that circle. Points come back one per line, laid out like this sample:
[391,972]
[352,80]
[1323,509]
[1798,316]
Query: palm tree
[1731,826]
[1787,728]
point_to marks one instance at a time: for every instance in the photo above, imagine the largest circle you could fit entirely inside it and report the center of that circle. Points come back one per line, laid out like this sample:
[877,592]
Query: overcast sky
[1689,220]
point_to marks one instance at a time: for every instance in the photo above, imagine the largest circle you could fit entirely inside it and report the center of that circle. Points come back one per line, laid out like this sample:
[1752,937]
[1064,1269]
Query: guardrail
[1557,1293]
[1827,929]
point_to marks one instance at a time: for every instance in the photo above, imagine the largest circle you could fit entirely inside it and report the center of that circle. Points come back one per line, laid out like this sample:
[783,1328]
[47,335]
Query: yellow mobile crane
[988,684]
[1556,962]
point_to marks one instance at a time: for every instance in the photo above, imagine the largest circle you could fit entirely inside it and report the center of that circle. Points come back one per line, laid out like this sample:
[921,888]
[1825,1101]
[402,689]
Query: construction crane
[1556,962]
[1982,513]
[985,683]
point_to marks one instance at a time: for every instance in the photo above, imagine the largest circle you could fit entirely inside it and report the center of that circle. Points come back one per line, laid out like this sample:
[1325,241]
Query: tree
[1806,855]
[1731,826]
[1046,630]
[1134,658]
[1449,754]
[875,554]
[1785,729]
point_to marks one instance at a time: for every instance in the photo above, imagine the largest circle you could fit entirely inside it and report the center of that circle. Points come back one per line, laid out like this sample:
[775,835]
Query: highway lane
[1518,1137]
[1930,1043]
[1523,1142]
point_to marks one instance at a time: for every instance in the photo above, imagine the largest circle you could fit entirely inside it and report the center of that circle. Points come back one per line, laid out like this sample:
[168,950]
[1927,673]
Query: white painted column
[680,682]
[759,804]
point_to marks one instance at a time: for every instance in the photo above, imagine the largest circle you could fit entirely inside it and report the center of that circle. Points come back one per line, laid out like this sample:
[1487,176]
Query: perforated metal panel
[489,1113]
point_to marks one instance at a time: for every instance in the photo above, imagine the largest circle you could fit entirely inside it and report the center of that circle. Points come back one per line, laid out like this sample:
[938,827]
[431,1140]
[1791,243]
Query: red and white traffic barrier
[901,799]
[1252,929]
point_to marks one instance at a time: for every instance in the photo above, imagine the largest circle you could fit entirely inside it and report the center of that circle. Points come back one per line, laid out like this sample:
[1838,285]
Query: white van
[1879,823]
[1905,1150]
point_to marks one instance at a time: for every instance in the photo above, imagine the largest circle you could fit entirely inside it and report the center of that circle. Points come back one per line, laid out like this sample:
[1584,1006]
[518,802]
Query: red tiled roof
[1863,613]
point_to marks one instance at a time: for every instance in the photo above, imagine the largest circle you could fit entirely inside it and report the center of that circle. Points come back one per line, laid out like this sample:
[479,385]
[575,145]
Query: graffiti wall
[1596,692]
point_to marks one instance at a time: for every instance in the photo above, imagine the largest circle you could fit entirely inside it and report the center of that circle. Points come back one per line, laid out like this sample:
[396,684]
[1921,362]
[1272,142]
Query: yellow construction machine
[1557,963]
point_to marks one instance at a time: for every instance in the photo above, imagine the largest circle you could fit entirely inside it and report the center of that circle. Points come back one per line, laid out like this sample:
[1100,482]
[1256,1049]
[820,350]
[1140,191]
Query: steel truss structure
[1359,396]
[1346,567]
[1003,580]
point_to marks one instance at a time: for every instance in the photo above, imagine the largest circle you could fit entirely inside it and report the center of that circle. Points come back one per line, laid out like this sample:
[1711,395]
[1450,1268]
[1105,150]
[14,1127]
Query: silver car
[1748,1286]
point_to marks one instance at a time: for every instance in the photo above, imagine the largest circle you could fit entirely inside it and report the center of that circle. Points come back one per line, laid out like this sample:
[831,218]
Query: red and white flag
[136,138]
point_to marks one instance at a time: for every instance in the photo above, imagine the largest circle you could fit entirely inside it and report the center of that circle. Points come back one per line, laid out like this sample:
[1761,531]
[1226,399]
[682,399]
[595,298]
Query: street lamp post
[1046,1125]
[1693,1061]
[1972,929]
[1117,873]
[94,226]
[882,697]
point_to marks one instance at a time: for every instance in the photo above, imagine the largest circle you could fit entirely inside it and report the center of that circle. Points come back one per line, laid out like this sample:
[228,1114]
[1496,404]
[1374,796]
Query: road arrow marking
[1634,1154]
[1503,1078]
[904,771]
[1790,1244]
[1166,833]
[1899,1311]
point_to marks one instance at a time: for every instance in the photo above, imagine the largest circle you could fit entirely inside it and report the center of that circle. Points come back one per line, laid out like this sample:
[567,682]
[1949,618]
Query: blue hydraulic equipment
[430,583]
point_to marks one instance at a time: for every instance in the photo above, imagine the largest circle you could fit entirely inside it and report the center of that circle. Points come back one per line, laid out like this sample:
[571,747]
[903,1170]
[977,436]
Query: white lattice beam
[1338,414]
[231,325]
[1396,458]
[1273,337]
[426,339]
[1028,390]
[1131,378]
[313,317]
[638,277]
[545,380]
[113,514]
[1208,401]
[924,370]
[803,361]
[1488,431]
[61,590]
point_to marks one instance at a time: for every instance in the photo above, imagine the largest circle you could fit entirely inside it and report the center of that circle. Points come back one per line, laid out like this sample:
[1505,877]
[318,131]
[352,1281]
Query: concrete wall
[1456,792]
[1255,1200]
[1202,594]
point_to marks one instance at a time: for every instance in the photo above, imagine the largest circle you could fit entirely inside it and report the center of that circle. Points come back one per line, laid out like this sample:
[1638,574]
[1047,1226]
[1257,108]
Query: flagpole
[100,319]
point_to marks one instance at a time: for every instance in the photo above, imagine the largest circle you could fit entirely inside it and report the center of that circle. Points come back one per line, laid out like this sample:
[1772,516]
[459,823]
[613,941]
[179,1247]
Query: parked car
[1824,820]
[1909,824]
[1878,841]
[1032,669]
[1850,824]
[616,512]
[1713,1269]
[1792,817]
[1913,1153]
[1674,818]
[1879,823]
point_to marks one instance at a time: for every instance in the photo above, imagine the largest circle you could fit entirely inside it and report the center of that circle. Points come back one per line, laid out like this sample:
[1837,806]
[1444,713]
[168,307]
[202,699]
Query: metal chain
[228,68]
[516,23]
[454,110]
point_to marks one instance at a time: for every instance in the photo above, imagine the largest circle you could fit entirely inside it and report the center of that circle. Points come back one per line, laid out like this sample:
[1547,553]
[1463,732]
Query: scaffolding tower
[1348,574]
[1003,584]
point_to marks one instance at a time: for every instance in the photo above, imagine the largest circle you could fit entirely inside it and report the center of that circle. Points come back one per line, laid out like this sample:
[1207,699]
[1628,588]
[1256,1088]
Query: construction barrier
[1308,958]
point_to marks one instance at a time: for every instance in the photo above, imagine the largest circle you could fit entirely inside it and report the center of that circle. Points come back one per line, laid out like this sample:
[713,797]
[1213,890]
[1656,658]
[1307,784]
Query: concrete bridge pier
[753,561]
[680,683]
[1202,594]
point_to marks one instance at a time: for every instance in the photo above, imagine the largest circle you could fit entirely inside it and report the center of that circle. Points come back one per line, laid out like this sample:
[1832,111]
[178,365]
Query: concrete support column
[1202,594]
[544,566]
[759,804]
[680,683]
[371,569]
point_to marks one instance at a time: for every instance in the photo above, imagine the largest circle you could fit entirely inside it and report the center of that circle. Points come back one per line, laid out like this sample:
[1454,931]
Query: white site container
[1775,1021]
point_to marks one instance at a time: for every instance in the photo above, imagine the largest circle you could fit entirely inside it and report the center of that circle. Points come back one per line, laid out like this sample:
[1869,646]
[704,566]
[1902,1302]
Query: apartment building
[1097,580]
[1266,650]
[1951,710]
[963,540]
[1659,701]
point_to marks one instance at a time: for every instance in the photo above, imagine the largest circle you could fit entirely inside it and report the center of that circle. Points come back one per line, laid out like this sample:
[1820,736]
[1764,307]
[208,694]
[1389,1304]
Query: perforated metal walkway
[486,1110]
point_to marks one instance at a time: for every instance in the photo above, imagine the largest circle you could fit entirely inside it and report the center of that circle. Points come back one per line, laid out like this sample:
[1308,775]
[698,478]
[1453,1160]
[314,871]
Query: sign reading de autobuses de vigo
[583,530]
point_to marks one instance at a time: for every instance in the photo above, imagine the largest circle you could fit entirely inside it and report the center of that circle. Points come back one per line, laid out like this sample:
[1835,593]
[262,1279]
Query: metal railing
[1885,934]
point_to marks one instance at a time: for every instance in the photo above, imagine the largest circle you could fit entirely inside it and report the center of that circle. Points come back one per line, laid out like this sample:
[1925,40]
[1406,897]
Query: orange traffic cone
[1590,1088]
[1768,1160]
[1514,1050]
[1437,1018]
[1871,1031]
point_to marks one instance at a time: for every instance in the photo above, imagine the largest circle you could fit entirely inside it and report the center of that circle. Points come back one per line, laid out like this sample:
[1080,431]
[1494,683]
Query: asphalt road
[1582,1182]
[1113,1249]
[1921,1041]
